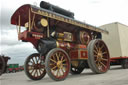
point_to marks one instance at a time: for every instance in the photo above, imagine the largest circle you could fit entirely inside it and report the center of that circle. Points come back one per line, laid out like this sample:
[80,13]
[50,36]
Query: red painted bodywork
[118,58]
[28,36]
[23,11]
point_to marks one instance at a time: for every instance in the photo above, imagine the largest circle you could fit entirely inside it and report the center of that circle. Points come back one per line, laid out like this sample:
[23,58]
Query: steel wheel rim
[59,65]
[101,56]
[35,68]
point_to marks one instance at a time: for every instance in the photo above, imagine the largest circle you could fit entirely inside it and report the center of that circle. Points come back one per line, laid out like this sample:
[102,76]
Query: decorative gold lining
[67,20]
[79,54]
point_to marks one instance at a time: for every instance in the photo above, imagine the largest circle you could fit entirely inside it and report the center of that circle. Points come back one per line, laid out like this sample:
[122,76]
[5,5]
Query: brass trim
[67,20]
[48,34]
[44,22]
[68,46]
[82,40]
[29,21]
[57,44]
[69,38]
[26,25]
[33,20]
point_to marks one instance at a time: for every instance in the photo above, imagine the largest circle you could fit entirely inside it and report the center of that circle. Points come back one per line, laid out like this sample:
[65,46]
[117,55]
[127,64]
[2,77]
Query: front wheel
[98,56]
[34,67]
[57,64]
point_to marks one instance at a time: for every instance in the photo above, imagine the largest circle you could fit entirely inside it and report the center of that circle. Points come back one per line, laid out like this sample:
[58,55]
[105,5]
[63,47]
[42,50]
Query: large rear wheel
[57,64]
[2,65]
[98,56]
[34,67]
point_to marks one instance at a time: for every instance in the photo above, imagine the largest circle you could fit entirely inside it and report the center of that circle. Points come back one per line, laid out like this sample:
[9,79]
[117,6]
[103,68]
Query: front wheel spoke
[30,67]
[36,60]
[30,62]
[35,72]
[57,56]
[40,71]
[57,72]
[53,67]
[63,60]
[53,57]
[32,71]
[53,60]
[33,60]
[52,64]
[64,64]
[62,70]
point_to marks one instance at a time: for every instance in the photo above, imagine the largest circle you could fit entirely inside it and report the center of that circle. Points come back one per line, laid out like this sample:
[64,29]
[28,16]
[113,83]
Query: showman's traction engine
[64,44]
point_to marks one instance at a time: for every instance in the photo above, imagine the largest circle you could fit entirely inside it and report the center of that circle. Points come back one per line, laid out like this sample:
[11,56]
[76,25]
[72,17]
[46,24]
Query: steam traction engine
[64,44]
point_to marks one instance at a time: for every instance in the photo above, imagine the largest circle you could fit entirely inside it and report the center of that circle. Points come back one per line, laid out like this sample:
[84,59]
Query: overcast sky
[94,12]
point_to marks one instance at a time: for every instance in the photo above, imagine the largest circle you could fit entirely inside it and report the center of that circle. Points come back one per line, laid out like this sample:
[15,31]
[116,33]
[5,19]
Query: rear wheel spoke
[103,64]
[104,53]
[95,52]
[96,48]
[104,59]
[101,46]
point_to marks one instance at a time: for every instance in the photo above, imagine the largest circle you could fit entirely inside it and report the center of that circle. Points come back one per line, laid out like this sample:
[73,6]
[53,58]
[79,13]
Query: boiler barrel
[56,9]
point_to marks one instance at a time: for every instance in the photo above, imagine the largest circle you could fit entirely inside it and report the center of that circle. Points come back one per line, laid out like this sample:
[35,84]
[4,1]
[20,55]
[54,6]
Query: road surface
[115,76]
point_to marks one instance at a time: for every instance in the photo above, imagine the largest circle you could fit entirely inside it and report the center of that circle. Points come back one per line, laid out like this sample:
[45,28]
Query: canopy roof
[24,10]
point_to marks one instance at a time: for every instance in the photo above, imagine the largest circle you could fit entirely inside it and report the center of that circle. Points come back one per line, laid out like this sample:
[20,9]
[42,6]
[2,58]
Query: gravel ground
[115,76]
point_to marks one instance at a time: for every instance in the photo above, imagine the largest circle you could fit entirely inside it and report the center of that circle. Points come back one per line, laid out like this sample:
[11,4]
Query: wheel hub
[37,66]
[59,64]
[100,56]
